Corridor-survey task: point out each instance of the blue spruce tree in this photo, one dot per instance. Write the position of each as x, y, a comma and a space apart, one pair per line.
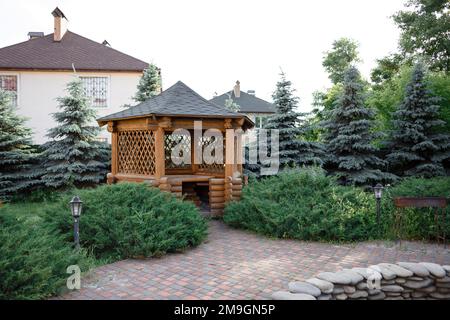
349, 137
16, 154
417, 148
294, 149
73, 157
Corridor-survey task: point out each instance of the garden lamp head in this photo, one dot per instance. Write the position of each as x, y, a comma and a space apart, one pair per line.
378, 190
76, 205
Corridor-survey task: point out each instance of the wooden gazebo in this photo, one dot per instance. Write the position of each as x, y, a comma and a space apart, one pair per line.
142, 145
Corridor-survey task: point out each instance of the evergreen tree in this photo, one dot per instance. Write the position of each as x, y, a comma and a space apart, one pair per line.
231, 105
294, 150
351, 155
149, 84
417, 149
16, 153
73, 157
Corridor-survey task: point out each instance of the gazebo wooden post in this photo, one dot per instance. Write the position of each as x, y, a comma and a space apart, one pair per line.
114, 156
159, 153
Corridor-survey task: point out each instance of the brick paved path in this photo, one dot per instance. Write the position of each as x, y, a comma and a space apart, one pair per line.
235, 264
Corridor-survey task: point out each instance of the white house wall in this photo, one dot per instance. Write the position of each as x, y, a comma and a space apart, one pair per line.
37, 93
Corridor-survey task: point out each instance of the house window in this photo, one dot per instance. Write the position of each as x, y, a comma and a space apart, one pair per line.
9, 83
260, 122
96, 90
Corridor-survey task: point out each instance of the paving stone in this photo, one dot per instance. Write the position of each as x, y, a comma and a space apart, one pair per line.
304, 287
324, 286
285, 295
435, 269
416, 268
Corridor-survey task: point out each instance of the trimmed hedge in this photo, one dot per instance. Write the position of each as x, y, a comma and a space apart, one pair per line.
130, 220
306, 204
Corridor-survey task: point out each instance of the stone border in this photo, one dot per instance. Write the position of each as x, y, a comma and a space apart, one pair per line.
385, 281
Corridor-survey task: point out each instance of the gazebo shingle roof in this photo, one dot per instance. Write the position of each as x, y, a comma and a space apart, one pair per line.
178, 100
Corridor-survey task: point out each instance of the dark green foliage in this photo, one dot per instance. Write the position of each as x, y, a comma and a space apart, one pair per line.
343, 55
425, 31
149, 85
16, 152
306, 205
294, 150
73, 157
130, 220
349, 137
34, 258
386, 68
417, 149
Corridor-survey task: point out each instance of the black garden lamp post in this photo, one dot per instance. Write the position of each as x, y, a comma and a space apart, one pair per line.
76, 205
378, 191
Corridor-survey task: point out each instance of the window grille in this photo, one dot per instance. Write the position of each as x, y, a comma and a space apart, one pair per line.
136, 152
96, 90
9, 83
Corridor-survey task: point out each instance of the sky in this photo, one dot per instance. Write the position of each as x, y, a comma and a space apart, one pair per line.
209, 44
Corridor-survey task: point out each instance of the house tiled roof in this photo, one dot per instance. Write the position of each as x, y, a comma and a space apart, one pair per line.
248, 103
178, 100
45, 54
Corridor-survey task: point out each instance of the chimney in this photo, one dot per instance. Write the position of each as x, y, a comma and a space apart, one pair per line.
34, 35
251, 92
60, 24
237, 89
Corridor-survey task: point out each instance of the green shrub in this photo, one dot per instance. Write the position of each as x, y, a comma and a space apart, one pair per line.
418, 223
130, 220
34, 258
304, 204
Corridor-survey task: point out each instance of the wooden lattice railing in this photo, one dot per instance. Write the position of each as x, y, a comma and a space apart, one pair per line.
213, 167
184, 143
136, 152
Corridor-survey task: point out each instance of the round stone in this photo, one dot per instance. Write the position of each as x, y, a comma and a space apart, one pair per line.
392, 288
416, 268
400, 280
349, 289
354, 276
359, 294
427, 289
338, 290
285, 295
417, 284
303, 287
443, 284
324, 286
443, 280
438, 295
387, 274
324, 297
398, 270
341, 296
335, 277
435, 269
417, 294
362, 286
379, 296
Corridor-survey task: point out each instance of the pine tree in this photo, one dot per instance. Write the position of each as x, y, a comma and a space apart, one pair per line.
16, 153
73, 157
293, 149
351, 155
417, 149
149, 84
231, 105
